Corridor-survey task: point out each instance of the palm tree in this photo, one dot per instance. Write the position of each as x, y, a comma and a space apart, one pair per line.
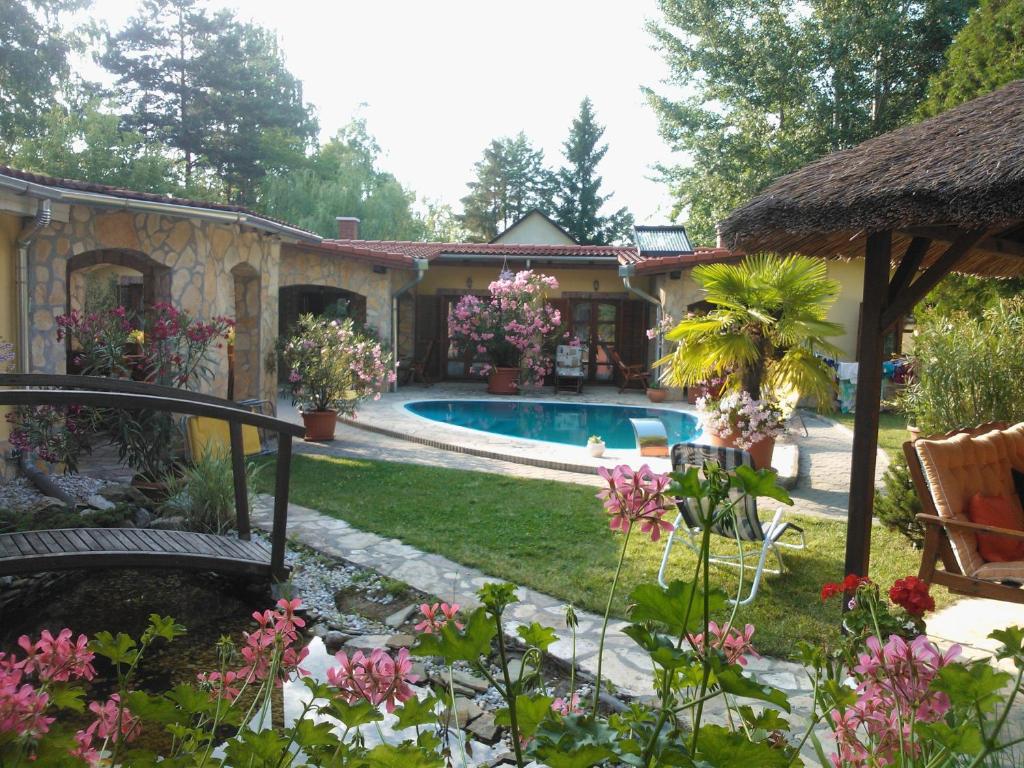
767, 324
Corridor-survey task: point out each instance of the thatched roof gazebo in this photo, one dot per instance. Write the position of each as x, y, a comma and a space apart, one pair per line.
942, 195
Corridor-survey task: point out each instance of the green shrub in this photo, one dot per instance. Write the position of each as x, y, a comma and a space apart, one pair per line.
205, 494
898, 504
970, 369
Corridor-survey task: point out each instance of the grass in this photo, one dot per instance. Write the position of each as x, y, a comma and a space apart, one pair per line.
554, 537
892, 430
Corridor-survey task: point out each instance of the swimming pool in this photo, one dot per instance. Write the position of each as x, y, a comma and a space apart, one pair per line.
566, 423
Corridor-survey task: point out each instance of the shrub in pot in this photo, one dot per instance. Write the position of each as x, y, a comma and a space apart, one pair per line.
510, 330
737, 420
332, 367
595, 446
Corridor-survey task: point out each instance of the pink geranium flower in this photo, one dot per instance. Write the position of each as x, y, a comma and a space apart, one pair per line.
377, 678
636, 497
434, 623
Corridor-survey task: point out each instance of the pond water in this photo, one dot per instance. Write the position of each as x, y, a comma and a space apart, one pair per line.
556, 422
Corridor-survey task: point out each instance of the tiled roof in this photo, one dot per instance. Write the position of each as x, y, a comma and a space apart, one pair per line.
149, 197
653, 266
431, 251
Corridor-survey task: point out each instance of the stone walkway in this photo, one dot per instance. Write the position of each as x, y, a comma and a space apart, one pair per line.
624, 664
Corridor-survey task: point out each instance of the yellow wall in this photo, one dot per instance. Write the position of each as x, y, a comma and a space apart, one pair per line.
453, 278
846, 310
10, 225
534, 229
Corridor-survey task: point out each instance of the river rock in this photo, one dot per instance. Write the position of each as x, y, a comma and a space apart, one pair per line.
472, 682
485, 729
466, 711
396, 642
96, 501
143, 517
170, 523
334, 640
398, 618
366, 643
122, 493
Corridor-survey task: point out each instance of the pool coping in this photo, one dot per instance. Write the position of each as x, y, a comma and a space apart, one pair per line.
389, 417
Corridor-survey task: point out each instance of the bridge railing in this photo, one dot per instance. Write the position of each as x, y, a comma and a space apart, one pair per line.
31, 389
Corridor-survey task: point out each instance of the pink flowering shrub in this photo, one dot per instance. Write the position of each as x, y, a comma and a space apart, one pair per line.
749, 421
57, 434
332, 365
511, 328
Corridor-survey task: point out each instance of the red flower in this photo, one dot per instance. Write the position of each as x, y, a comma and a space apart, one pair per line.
911, 594
849, 584
829, 589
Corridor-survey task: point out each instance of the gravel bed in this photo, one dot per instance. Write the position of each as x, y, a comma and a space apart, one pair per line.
79, 487
19, 494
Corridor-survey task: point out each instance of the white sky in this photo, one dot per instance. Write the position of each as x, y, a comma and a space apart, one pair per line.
437, 80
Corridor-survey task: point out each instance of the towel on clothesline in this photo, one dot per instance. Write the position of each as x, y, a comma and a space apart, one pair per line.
848, 372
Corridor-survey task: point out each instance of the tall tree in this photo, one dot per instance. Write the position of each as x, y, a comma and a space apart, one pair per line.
510, 181
212, 89
34, 49
343, 179
988, 53
773, 84
577, 196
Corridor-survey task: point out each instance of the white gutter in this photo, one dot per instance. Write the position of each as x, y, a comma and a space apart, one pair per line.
421, 270
25, 238
150, 206
627, 272
582, 258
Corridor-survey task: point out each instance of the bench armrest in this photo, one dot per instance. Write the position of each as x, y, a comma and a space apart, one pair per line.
945, 522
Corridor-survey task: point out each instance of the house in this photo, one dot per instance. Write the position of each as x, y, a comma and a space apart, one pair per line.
60, 238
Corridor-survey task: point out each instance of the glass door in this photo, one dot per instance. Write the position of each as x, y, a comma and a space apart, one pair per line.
596, 323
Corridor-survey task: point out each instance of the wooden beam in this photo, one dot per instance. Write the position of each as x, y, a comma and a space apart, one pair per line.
878, 254
1002, 246
906, 299
909, 264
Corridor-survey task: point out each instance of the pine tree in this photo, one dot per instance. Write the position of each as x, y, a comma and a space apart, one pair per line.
577, 194
510, 181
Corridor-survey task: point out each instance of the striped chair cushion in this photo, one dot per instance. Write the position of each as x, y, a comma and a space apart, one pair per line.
686, 455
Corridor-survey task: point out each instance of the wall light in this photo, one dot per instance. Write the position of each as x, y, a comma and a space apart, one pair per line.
597, 285
469, 283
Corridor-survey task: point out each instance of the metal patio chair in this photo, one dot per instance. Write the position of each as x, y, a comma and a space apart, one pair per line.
744, 526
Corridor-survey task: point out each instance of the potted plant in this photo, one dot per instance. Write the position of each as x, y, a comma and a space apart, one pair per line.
657, 394
332, 367
595, 446
508, 329
764, 334
737, 420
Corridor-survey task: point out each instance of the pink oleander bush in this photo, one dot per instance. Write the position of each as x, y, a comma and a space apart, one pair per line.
511, 328
332, 365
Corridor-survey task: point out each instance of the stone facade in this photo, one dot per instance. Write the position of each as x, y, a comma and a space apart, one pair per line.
190, 262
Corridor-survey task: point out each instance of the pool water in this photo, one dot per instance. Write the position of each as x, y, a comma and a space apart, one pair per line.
566, 423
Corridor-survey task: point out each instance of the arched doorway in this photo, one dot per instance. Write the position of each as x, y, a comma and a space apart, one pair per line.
244, 361
320, 301
104, 279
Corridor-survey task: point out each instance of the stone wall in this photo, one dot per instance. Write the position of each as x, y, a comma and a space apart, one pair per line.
192, 258
301, 266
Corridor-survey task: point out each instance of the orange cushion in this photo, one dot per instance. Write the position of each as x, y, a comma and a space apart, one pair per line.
1000, 512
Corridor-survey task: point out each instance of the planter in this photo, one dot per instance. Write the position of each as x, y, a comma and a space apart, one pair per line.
760, 452
319, 425
657, 395
596, 449
503, 381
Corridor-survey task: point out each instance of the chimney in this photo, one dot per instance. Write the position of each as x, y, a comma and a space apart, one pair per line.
348, 228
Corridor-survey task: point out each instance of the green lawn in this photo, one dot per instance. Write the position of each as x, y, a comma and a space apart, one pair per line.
554, 537
892, 430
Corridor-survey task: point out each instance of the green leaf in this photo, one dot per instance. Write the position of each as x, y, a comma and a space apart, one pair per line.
190, 700
661, 648
165, 627
120, 649
536, 635
256, 749
403, 756
497, 596
416, 711
760, 483
530, 713
732, 680
308, 734
968, 685
353, 715
767, 719
64, 696
1012, 639
650, 602
965, 739
581, 757
452, 645
722, 748
687, 484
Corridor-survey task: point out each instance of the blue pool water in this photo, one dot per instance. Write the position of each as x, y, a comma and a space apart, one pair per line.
567, 423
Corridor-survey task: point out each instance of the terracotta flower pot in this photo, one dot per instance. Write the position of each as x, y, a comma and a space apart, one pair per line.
503, 381
760, 452
657, 395
319, 425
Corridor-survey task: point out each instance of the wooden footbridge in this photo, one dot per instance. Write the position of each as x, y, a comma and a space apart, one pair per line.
72, 548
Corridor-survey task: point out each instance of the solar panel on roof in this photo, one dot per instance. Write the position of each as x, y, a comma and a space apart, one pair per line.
663, 240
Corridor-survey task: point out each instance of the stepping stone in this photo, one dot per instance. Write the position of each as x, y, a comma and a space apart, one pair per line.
485, 729
466, 711
399, 617
366, 643
472, 682
400, 641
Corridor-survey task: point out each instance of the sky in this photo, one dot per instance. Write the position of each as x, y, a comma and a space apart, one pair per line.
437, 80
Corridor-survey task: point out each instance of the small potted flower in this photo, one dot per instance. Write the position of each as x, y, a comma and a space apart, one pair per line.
739, 421
595, 446
332, 367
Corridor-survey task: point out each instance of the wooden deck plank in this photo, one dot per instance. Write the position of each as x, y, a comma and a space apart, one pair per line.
132, 548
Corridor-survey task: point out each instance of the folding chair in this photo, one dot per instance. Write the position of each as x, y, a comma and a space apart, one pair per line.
744, 525
568, 369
